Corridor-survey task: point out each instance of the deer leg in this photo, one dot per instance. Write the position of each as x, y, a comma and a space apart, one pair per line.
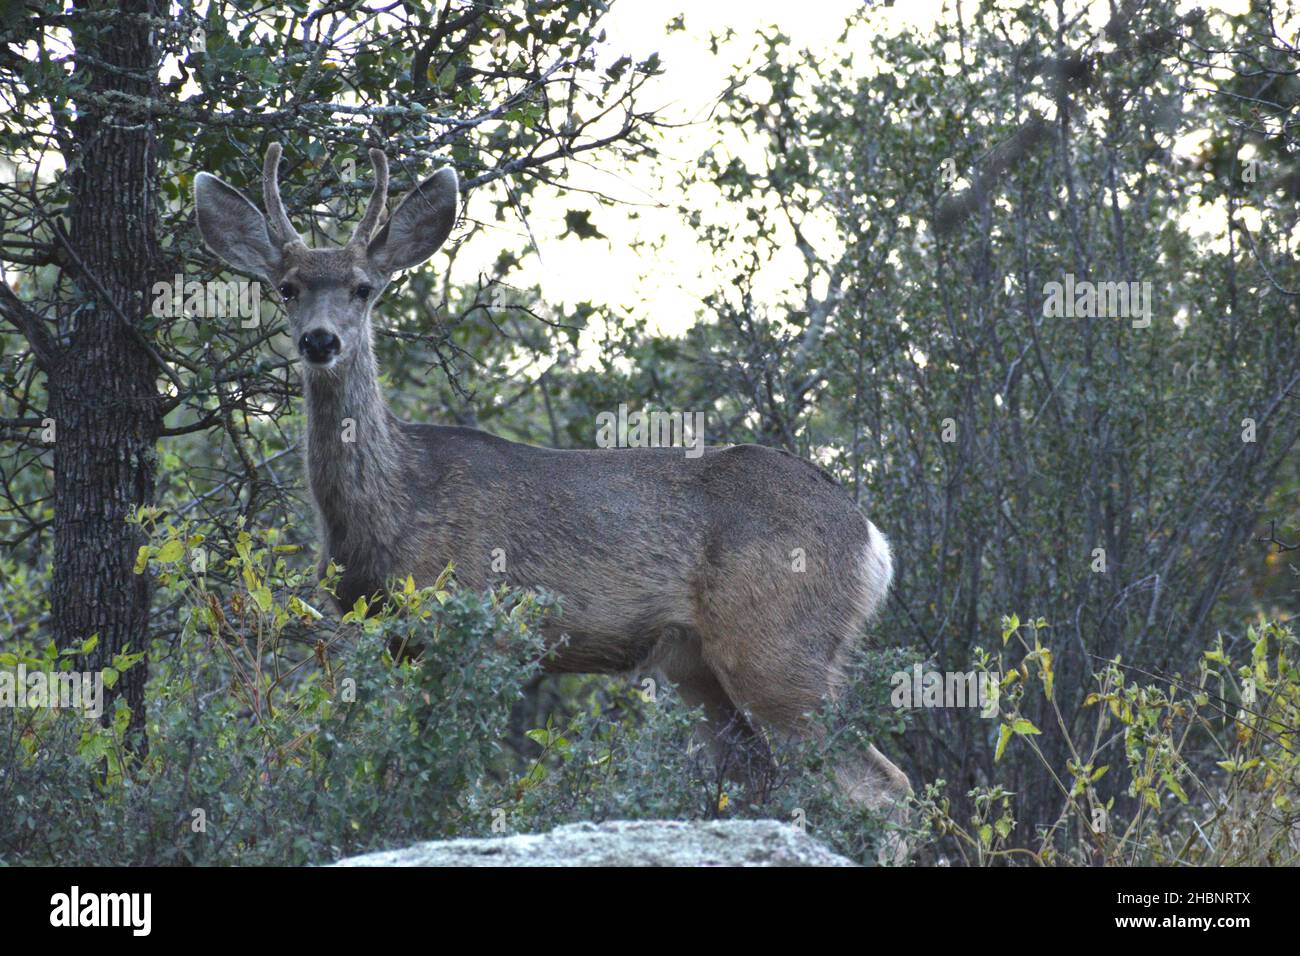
875, 782
739, 750
866, 779
782, 693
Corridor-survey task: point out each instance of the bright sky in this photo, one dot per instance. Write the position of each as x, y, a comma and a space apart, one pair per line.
571, 270
668, 285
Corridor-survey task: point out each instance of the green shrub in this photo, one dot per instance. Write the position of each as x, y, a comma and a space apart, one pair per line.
275, 735
1199, 770
625, 753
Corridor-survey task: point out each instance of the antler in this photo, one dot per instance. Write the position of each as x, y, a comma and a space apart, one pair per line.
379, 196
282, 230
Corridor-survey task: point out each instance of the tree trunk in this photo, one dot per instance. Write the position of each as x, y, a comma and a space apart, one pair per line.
103, 396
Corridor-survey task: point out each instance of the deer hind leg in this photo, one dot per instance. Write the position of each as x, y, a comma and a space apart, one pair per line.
784, 702
781, 681
739, 750
875, 782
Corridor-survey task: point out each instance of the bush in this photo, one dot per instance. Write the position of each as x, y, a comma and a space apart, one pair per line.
275, 735
279, 736
629, 753
1199, 770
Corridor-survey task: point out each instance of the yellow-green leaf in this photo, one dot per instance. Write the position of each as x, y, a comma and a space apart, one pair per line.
1004, 734
1174, 786
1010, 624
172, 551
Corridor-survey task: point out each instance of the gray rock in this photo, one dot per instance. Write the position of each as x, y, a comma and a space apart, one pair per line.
624, 843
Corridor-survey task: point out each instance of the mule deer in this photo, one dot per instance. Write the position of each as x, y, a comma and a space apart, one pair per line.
744, 576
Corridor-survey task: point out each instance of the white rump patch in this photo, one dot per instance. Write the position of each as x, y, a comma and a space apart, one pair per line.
877, 571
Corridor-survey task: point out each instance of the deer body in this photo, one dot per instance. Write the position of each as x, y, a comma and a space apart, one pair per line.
744, 575
638, 542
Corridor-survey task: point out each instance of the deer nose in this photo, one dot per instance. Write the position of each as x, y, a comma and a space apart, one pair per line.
319, 345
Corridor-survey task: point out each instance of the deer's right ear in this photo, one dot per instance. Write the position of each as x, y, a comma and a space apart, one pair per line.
233, 228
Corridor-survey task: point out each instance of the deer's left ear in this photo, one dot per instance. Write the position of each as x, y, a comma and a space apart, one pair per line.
420, 224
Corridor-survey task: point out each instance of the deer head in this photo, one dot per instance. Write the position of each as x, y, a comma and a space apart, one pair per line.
328, 293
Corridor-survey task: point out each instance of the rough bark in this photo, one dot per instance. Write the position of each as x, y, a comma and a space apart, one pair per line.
103, 396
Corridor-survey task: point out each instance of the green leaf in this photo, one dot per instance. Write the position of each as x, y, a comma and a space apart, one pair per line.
1174, 786
171, 551
1004, 734
1010, 624
578, 222
1259, 658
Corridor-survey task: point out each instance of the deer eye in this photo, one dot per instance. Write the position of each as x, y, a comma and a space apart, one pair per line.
362, 291
289, 292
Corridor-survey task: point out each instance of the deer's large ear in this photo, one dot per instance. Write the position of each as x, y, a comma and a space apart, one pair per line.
233, 228
419, 225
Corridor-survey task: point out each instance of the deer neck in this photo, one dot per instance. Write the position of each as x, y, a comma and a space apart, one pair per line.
355, 460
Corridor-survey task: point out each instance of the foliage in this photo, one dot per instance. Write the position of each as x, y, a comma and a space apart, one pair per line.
1201, 771
277, 737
